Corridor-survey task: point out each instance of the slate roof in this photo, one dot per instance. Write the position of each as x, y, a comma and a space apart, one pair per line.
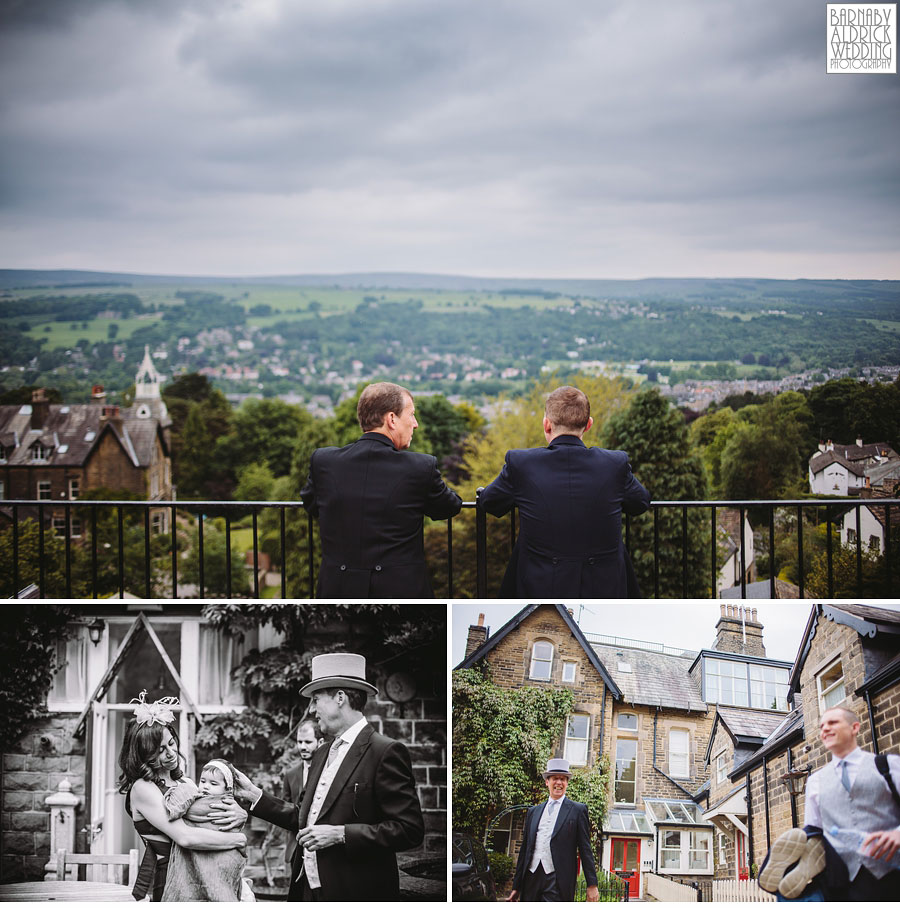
750, 723
790, 727
655, 679
73, 431
820, 460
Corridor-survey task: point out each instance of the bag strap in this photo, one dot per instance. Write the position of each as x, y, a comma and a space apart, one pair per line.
881, 762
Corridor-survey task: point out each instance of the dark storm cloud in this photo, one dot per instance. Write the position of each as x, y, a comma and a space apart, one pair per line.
494, 137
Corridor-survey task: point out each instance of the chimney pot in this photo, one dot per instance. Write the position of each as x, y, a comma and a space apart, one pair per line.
481, 620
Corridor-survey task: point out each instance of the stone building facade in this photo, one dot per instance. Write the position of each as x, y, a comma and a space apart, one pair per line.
645, 705
849, 656
56, 452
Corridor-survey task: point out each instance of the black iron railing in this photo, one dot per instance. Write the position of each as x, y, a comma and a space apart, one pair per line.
82, 548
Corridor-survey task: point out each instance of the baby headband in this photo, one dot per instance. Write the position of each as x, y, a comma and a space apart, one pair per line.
159, 711
224, 769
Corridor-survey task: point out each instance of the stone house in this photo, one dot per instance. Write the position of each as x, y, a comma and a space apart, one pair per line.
648, 706
849, 655
840, 469
120, 648
55, 452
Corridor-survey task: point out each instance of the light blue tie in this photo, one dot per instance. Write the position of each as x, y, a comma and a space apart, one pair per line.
845, 775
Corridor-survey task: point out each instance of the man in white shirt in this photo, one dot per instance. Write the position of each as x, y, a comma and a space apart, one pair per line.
360, 805
851, 793
309, 740
554, 831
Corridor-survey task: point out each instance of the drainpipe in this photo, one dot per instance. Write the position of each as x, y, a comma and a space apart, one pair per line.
748, 797
793, 797
765, 769
666, 777
872, 724
602, 721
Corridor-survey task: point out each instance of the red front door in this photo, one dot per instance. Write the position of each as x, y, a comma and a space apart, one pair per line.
625, 854
740, 848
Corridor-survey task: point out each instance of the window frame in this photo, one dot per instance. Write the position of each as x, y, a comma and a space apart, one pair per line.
44, 494
721, 766
540, 661
625, 782
713, 689
567, 665
686, 849
586, 739
822, 692
686, 753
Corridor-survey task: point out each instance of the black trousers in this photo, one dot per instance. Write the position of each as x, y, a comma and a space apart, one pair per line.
866, 888
540, 886
307, 894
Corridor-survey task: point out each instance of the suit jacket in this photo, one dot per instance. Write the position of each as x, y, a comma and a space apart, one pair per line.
571, 833
374, 797
371, 500
292, 792
570, 499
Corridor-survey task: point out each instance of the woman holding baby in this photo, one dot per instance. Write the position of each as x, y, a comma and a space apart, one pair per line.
189, 855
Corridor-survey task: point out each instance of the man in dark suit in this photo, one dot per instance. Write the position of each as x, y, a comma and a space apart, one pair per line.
371, 497
360, 805
308, 742
554, 831
570, 499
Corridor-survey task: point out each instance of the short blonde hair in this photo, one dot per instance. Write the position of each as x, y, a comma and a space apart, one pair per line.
568, 408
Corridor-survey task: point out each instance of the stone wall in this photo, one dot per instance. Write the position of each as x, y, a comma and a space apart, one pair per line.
886, 707
510, 662
32, 770
779, 802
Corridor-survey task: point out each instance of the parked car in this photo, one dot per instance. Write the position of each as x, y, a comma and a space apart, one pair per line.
472, 877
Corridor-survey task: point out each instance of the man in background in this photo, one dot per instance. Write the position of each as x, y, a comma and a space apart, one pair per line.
309, 739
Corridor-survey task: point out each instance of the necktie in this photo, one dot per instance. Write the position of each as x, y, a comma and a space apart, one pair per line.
845, 775
335, 747
553, 806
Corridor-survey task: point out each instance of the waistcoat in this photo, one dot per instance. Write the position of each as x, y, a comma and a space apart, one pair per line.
868, 807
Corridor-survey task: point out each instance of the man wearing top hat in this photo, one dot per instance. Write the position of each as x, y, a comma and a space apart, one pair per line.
359, 807
554, 831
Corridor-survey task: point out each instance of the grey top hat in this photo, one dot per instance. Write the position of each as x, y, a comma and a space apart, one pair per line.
557, 767
345, 670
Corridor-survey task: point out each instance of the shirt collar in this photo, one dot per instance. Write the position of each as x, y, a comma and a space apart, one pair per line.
352, 733
852, 758
567, 440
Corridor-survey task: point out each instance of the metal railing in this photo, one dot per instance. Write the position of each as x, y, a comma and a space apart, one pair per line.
81, 527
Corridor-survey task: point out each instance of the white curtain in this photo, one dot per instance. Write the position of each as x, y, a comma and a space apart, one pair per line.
219, 654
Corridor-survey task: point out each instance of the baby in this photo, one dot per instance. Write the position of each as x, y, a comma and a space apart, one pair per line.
217, 873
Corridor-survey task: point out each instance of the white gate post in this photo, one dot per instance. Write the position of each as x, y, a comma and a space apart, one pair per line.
62, 804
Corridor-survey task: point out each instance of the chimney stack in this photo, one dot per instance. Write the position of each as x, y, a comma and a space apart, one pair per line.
738, 631
478, 633
40, 408
98, 395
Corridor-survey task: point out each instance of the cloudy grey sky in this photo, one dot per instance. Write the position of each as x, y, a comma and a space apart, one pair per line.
581, 138
687, 623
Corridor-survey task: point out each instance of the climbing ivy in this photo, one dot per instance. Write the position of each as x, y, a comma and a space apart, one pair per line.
502, 740
28, 656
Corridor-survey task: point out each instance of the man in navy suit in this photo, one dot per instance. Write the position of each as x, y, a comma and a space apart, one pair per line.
570, 499
554, 831
371, 497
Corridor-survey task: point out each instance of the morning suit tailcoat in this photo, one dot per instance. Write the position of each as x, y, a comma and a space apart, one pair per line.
292, 793
570, 499
371, 499
373, 796
571, 833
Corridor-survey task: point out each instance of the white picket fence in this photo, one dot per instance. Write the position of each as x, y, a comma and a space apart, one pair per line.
740, 891
665, 890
